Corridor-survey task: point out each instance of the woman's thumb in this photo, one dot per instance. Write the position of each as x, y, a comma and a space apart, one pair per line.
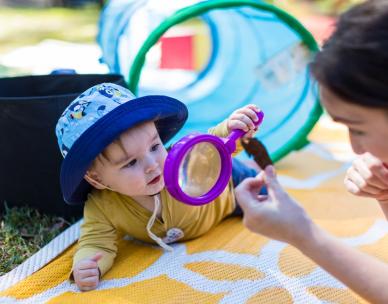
246, 192
97, 257
271, 181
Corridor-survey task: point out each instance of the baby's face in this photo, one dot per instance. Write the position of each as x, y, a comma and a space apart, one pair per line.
133, 164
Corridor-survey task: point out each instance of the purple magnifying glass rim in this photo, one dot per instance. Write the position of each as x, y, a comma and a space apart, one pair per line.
175, 157
224, 146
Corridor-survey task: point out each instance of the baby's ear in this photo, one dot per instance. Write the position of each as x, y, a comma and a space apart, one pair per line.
93, 178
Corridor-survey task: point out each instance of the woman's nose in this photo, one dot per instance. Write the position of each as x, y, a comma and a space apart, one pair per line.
356, 145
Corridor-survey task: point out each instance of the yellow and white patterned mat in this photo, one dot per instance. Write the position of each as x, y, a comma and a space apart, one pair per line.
230, 264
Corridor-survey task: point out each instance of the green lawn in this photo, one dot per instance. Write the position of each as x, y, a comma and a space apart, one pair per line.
28, 26
299, 8
23, 230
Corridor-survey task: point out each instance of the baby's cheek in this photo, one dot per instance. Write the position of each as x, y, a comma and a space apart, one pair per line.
162, 159
163, 154
162, 184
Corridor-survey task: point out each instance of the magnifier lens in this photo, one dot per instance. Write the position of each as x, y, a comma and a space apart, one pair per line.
200, 169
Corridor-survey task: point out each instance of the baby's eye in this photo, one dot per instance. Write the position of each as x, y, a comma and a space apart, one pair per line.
155, 147
131, 163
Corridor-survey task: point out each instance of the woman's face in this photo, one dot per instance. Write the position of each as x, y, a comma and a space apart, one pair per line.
368, 127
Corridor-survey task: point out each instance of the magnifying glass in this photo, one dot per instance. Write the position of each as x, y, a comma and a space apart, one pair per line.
199, 166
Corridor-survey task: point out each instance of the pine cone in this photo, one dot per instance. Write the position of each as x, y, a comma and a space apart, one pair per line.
255, 148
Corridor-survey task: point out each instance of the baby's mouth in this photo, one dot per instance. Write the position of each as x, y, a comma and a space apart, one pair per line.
155, 180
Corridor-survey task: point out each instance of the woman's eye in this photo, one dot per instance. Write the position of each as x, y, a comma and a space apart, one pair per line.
356, 132
155, 147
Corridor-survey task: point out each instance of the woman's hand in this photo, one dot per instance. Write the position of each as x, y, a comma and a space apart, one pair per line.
275, 215
280, 217
368, 177
244, 119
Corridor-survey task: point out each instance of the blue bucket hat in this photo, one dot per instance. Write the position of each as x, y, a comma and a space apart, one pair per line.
98, 116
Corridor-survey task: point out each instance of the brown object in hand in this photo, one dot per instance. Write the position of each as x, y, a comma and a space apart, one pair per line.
255, 148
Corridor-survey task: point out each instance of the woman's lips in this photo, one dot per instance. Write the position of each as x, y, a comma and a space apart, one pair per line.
155, 180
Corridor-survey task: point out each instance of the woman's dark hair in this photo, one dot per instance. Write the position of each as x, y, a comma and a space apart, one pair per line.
353, 63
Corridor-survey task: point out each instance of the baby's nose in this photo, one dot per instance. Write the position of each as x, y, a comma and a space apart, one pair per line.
151, 165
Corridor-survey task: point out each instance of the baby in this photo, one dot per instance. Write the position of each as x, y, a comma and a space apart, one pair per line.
114, 154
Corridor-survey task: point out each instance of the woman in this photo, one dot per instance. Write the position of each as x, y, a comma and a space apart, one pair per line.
352, 70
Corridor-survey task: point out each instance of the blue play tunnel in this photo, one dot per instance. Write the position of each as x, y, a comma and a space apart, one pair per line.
259, 54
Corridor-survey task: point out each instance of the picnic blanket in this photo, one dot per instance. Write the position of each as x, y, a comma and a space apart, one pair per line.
229, 264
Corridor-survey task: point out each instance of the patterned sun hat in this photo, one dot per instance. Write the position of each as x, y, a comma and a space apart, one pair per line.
98, 116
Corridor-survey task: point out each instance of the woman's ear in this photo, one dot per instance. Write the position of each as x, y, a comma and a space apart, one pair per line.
93, 178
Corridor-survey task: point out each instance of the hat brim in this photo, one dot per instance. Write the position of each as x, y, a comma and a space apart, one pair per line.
168, 113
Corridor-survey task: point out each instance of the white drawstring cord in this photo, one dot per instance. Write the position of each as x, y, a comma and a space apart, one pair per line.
151, 222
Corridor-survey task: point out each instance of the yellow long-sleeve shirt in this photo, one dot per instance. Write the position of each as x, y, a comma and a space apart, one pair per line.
109, 215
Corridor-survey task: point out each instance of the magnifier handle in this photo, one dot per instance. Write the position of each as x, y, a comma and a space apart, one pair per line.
238, 133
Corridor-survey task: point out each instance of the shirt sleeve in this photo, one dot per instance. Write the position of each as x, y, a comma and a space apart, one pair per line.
97, 235
221, 130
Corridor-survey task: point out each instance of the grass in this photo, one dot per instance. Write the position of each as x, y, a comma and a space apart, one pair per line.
335, 6
300, 8
23, 232
28, 26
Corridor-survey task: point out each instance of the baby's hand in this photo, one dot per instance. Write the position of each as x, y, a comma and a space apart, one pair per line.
368, 177
243, 119
86, 273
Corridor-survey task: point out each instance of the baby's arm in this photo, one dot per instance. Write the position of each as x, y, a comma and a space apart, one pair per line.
242, 119
86, 272
96, 248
